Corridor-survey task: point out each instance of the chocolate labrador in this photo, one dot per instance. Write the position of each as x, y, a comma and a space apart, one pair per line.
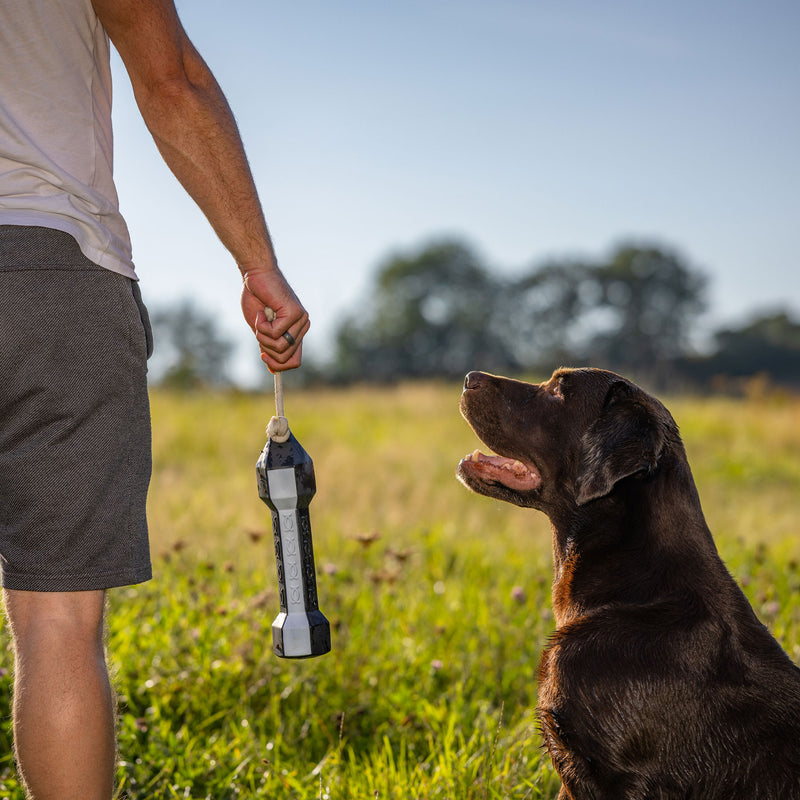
659, 682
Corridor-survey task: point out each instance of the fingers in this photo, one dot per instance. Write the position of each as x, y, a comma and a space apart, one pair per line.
281, 346
279, 333
275, 365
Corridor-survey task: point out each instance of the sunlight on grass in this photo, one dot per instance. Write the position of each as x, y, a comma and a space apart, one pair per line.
439, 600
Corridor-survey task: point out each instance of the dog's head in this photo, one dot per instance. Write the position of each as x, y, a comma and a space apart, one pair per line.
563, 443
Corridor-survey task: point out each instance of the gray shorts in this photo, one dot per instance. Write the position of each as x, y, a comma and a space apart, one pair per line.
74, 418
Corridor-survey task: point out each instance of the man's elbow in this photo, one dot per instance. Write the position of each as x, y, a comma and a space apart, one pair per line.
178, 87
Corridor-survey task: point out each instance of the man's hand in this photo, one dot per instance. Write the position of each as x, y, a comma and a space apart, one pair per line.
268, 288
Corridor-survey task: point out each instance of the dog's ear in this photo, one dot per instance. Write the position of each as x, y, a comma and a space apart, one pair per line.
626, 439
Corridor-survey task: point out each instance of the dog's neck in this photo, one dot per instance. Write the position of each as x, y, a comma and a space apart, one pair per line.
652, 529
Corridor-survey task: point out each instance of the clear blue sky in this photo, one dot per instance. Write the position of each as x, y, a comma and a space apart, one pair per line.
530, 129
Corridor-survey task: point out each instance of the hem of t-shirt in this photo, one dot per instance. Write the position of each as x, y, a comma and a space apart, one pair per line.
103, 258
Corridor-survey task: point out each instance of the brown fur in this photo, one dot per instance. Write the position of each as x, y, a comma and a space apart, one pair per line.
659, 682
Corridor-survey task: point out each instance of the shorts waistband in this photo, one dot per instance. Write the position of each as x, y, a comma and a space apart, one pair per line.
34, 247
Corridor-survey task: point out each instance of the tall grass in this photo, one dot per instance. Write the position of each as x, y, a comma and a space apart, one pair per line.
438, 600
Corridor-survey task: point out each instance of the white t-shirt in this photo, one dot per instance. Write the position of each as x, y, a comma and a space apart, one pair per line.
56, 149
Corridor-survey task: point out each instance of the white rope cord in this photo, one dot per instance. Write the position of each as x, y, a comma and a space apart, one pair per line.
278, 426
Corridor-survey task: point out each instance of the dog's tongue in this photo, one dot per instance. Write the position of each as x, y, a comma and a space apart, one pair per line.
508, 471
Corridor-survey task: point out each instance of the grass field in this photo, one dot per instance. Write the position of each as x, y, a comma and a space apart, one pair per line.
439, 600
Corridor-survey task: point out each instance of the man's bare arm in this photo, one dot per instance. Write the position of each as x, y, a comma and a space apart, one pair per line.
196, 134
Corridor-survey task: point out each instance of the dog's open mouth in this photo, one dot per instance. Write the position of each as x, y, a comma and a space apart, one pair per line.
508, 472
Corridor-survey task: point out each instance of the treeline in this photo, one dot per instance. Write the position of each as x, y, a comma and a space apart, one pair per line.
440, 311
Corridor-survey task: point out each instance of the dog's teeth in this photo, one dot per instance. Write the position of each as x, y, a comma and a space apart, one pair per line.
519, 468
476, 456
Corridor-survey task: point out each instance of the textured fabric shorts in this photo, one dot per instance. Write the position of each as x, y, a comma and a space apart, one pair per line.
75, 453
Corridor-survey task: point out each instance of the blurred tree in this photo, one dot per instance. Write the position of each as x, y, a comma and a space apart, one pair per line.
767, 345
647, 301
631, 313
539, 317
432, 313
439, 312
189, 351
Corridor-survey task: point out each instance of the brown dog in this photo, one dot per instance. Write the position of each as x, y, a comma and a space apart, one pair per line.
659, 682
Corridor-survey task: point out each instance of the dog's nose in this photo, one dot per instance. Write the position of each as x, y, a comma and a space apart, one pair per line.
474, 380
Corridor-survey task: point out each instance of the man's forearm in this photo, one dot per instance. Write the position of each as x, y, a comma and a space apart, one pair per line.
196, 134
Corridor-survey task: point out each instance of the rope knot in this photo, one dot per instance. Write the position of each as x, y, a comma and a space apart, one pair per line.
278, 429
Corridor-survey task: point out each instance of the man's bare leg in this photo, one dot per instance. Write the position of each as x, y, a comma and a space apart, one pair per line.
63, 704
